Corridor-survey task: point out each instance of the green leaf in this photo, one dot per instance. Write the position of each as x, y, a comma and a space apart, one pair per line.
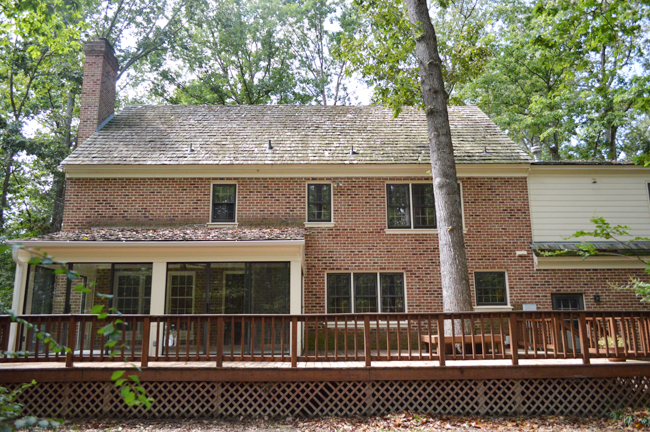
97, 309
119, 382
117, 375
135, 378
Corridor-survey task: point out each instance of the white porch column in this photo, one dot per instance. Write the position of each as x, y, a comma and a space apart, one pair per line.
295, 296
158, 296
21, 257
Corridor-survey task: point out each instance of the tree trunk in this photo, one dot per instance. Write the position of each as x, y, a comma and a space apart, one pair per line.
456, 294
8, 169
611, 141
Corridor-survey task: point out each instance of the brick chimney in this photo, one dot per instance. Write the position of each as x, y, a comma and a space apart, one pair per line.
98, 90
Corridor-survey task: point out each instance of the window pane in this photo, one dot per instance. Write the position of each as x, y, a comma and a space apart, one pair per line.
269, 288
490, 288
338, 293
424, 210
319, 207
392, 292
567, 302
365, 292
398, 206
186, 288
223, 203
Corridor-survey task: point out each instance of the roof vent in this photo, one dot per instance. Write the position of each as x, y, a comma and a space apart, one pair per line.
353, 152
269, 147
485, 152
537, 153
191, 150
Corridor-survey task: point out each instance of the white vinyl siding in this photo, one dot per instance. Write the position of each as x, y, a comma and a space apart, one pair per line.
563, 200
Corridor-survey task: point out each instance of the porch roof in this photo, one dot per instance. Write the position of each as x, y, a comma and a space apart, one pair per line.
186, 233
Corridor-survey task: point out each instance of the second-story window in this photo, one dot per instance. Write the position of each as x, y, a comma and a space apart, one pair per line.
319, 202
224, 198
411, 206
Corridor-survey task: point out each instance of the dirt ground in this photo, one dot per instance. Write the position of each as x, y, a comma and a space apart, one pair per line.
396, 422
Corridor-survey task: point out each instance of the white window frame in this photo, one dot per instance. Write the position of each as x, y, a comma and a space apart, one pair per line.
412, 230
319, 224
170, 274
224, 224
492, 308
353, 289
116, 278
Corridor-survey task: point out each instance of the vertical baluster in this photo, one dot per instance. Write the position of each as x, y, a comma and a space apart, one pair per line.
37, 330
294, 341
584, 344
220, 336
472, 336
208, 342
356, 338
59, 336
419, 337
441, 339
556, 341
262, 334
366, 340
241, 336
388, 357
326, 334
408, 336
597, 323
514, 342
72, 330
336, 338
399, 339
483, 335
453, 337
502, 344
544, 341
282, 345
232, 338
614, 332
316, 323
146, 337
430, 337
345, 340
377, 330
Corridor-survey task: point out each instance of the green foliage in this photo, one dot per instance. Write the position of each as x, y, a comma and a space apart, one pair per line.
620, 235
383, 49
628, 417
131, 390
256, 52
11, 412
571, 77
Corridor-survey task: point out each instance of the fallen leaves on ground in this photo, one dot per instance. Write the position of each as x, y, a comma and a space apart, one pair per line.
628, 420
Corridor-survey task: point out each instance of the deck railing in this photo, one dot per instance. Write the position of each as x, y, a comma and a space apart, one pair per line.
331, 337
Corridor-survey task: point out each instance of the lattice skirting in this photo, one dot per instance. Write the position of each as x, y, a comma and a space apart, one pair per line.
588, 396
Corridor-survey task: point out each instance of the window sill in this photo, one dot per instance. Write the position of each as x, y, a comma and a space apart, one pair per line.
319, 224
411, 231
493, 308
222, 224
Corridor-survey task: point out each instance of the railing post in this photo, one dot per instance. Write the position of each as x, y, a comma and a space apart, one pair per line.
366, 339
514, 339
442, 346
584, 343
220, 335
146, 336
294, 342
72, 333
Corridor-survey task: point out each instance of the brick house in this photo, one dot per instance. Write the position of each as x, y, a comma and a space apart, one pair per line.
309, 209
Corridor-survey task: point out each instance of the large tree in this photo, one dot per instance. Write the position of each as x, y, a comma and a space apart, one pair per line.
456, 294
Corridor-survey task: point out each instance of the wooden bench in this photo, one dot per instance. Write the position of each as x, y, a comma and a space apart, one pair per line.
479, 341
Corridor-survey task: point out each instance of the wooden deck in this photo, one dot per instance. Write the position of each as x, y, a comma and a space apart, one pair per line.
248, 371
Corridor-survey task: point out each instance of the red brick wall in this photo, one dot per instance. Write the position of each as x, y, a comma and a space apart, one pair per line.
497, 223
98, 90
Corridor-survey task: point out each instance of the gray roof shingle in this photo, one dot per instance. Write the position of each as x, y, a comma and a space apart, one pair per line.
239, 135
184, 233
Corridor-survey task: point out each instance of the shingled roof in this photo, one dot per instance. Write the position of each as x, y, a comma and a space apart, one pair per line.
184, 233
239, 135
